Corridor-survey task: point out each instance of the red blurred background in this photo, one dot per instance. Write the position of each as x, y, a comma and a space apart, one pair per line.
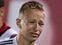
55, 7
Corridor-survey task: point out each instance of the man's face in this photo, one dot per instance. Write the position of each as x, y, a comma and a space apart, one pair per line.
1, 12
32, 24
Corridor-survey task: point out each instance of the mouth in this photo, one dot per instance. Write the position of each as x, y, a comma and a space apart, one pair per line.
34, 34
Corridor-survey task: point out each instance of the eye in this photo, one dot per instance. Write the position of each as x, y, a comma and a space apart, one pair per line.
41, 23
32, 22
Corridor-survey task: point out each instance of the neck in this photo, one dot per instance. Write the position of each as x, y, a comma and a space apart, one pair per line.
23, 41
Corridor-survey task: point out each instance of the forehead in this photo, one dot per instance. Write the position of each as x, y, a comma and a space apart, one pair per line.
34, 14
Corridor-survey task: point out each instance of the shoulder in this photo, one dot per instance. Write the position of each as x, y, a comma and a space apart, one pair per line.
7, 41
12, 33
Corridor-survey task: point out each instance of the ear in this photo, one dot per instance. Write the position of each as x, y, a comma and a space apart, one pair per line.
18, 22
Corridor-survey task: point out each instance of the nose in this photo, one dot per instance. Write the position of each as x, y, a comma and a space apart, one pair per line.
37, 27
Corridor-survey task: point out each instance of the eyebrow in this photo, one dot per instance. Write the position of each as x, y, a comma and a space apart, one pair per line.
32, 20
35, 20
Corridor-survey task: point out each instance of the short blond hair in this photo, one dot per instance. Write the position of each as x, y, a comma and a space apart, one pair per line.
31, 5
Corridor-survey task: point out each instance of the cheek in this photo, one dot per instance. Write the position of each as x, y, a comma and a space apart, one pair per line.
24, 28
41, 29
30, 27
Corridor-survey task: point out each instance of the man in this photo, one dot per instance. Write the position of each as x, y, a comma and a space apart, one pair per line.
7, 34
31, 22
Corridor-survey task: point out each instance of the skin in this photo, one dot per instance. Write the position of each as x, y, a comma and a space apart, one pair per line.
31, 26
1, 16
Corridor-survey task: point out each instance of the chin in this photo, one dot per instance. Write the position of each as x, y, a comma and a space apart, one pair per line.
33, 39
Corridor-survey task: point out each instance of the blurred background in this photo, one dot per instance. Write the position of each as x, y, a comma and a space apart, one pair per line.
52, 34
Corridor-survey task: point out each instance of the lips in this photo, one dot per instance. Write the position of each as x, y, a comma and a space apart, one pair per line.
34, 34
